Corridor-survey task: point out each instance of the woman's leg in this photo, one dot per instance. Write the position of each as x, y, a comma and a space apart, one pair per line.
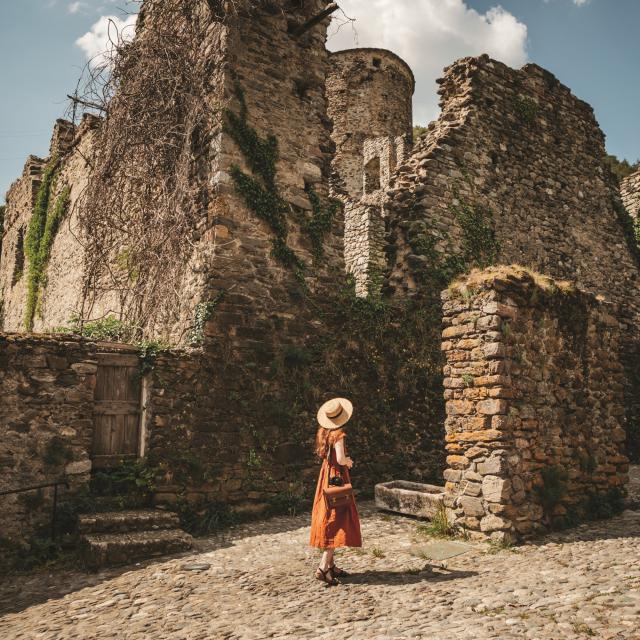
327, 559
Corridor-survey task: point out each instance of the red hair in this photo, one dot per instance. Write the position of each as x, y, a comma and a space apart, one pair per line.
326, 438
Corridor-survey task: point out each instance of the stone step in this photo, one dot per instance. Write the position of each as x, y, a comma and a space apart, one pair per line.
127, 521
118, 503
106, 549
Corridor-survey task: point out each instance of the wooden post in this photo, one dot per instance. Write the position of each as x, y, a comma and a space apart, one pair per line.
309, 24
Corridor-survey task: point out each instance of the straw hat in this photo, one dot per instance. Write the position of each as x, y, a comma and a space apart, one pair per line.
335, 413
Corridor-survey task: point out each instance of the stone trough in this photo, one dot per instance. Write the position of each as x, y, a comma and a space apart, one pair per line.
409, 498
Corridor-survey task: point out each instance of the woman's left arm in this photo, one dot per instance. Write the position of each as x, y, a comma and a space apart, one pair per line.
343, 459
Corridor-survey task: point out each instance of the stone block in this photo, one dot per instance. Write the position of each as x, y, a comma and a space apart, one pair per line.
457, 462
85, 368
460, 407
458, 330
452, 475
494, 350
500, 309
493, 406
495, 489
493, 522
471, 506
74, 468
410, 498
495, 465
473, 489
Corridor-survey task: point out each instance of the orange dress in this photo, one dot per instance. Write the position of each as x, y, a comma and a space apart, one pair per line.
333, 528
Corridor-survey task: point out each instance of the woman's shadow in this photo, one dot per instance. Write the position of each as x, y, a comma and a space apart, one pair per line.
428, 574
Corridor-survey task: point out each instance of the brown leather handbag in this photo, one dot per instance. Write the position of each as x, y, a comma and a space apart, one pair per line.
337, 497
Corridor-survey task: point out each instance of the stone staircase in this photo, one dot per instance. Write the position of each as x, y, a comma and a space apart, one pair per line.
122, 537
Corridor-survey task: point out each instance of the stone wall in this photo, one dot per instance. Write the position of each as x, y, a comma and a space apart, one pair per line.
231, 246
514, 171
46, 424
60, 298
277, 340
535, 414
630, 192
20, 200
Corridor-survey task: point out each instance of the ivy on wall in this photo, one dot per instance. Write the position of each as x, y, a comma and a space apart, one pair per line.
204, 312
260, 191
434, 268
319, 223
262, 195
41, 232
480, 246
527, 109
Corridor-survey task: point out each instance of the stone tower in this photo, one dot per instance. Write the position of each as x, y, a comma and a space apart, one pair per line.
369, 94
630, 193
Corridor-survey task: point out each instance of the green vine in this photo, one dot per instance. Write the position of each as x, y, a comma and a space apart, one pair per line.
262, 195
149, 350
318, 225
43, 226
204, 313
480, 246
107, 329
527, 109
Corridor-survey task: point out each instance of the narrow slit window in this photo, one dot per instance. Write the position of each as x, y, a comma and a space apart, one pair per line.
372, 175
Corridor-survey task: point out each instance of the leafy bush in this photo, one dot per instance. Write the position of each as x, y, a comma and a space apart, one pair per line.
108, 329
134, 478
621, 168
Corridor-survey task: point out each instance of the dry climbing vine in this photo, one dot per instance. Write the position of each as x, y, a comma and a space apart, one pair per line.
148, 188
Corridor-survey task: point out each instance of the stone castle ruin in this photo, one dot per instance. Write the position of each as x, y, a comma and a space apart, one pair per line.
630, 193
316, 237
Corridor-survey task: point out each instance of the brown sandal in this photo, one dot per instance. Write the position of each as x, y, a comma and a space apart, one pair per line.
327, 577
339, 573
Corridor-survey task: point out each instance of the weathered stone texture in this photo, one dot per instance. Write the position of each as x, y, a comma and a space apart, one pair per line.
369, 95
630, 192
46, 424
518, 149
61, 298
534, 390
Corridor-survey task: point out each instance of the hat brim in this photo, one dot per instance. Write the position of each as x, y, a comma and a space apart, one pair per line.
335, 423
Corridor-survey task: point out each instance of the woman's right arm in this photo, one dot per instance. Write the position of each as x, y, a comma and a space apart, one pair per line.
343, 459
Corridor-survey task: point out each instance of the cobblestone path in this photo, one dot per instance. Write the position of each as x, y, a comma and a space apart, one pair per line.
584, 583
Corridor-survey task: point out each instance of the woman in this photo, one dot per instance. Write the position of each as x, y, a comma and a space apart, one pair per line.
333, 528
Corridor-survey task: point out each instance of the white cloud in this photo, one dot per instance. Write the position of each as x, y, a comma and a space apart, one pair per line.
580, 3
99, 41
429, 35
74, 7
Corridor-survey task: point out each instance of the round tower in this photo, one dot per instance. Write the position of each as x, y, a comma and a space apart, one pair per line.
369, 94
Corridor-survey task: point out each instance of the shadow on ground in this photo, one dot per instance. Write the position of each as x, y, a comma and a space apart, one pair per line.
428, 574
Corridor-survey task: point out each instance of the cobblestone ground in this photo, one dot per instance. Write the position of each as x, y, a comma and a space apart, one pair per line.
583, 583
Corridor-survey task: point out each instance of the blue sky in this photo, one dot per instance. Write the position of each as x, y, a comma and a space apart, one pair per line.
592, 46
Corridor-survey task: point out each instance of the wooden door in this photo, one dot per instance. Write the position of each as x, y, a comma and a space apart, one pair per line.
116, 433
